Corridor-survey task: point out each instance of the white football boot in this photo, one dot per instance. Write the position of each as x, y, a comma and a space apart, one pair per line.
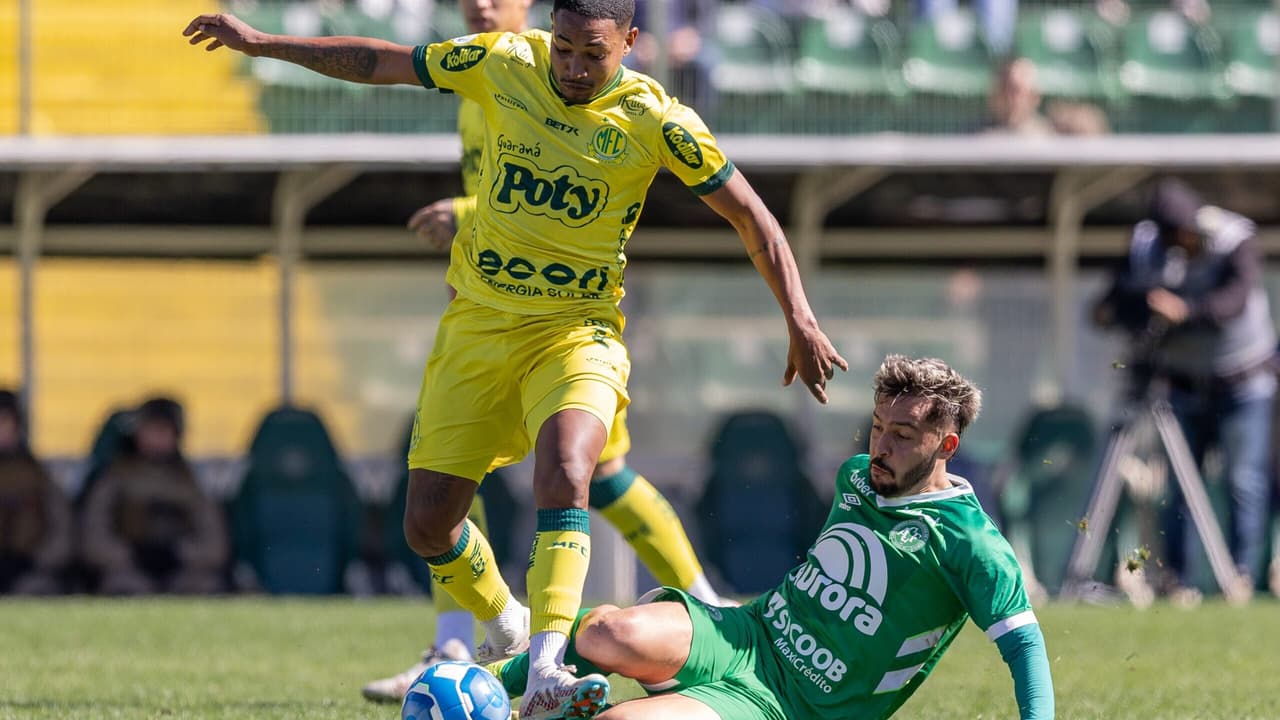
393, 689
555, 694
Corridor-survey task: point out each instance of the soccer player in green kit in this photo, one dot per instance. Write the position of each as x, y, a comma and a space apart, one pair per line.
906, 556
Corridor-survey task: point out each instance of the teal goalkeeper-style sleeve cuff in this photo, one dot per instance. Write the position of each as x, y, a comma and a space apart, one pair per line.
1024, 652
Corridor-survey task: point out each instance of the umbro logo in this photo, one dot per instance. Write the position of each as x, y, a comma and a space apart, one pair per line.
849, 500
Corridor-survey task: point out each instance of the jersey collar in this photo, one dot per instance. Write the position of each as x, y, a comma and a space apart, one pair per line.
959, 486
609, 86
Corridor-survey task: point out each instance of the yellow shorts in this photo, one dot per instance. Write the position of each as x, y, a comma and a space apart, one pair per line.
619, 442
494, 377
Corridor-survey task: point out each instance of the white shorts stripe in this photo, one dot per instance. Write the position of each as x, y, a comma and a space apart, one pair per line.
895, 679
1013, 622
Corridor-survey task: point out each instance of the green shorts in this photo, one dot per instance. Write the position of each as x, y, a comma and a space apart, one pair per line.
726, 670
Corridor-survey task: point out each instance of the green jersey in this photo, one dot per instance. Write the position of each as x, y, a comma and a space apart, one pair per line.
885, 589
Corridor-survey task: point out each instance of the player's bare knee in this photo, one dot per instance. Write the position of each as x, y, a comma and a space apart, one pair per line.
564, 484
608, 638
425, 531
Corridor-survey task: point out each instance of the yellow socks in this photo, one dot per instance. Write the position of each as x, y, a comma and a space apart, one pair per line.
469, 574
648, 522
557, 569
454, 622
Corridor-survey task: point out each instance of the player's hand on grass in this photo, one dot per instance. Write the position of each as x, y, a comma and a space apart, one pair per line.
435, 223
223, 29
813, 359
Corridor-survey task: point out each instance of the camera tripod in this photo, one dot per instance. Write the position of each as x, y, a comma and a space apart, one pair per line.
1105, 497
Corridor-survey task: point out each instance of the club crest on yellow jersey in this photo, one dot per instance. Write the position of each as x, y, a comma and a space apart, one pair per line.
609, 144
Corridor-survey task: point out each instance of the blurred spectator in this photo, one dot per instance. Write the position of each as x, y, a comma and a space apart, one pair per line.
1190, 293
35, 515
685, 43
1013, 106
148, 527
1077, 118
998, 19
1014, 102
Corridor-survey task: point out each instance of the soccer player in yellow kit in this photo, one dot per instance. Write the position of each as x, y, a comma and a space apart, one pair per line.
529, 355
626, 499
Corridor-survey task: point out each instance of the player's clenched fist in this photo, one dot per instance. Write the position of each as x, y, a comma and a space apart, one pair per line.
223, 29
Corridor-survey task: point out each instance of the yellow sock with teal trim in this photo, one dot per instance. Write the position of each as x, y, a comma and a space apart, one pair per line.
469, 574
557, 569
648, 522
454, 622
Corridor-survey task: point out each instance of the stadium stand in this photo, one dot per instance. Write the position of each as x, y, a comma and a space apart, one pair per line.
154, 84
296, 520
757, 481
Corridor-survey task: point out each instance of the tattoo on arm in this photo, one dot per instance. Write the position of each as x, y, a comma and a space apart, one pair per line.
344, 63
767, 244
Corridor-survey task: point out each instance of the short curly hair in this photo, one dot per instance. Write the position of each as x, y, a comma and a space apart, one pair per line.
954, 397
619, 11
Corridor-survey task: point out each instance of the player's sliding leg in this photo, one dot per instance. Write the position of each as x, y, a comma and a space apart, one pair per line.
461, 561
455, 634
569, 440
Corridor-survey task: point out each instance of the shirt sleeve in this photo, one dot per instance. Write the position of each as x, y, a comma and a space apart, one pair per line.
690, 152
1227, 301
1024, 652
456, 65
989, 583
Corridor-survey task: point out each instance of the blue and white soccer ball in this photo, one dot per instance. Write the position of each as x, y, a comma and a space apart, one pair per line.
456, 691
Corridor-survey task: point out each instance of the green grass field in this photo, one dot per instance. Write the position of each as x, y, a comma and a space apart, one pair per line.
263, 658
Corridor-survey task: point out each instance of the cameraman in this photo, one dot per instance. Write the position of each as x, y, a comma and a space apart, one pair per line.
1190, 292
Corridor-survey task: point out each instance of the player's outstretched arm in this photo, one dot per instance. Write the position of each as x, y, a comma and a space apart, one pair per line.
811, 356
355, 59
1024, 652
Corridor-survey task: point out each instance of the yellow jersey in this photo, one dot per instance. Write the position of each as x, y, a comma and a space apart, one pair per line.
561, 185
471, 132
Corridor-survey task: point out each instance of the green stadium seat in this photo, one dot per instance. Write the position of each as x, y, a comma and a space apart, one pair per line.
1165, 56
850, 68
845, 52
948, 57
1252, 51
1073, 51
1055, 459
757, 481
296, 519
753, 78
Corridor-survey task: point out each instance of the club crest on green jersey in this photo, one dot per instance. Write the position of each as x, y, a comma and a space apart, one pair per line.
463, 57
909, 535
